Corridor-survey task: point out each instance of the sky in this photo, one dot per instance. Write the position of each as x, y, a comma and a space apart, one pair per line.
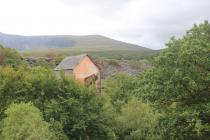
149, 23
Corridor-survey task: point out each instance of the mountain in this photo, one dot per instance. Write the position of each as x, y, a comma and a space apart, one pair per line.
96, 45
34, 42
88, 42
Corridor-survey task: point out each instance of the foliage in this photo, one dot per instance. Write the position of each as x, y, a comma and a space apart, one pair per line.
71, 110
131, 119
169, 101
119, 89
113, 62
13, 87
44, 85
81, 113
44, 63
58, 59
24, 121
99, 54
137, 121
140, 64
9, 56
57, 128
179, 85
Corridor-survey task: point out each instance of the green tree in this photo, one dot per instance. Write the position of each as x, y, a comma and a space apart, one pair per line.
137, 121
45, 86
25, 122
9, 56
81, 112
13, 87
57, 128
119, 89
179, 85
131, 119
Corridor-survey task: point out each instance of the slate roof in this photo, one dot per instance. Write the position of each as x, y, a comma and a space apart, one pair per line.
70, 62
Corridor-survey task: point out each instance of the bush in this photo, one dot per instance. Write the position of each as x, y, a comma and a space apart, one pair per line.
24, 121
9, 56
137, 121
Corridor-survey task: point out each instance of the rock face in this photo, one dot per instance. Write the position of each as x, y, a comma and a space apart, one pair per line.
110, 69
32, 60
107, 68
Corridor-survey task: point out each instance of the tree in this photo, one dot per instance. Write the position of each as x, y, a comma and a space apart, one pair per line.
81, 112
57, 128
13, 87
2, 57
24, 121
131, 119
9, 56
45, 86
120, 89
179, 85
137, 121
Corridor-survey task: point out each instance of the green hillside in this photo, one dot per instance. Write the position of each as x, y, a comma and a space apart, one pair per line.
96, 46
97, 42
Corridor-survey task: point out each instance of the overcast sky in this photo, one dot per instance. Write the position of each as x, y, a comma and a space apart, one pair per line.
149, 23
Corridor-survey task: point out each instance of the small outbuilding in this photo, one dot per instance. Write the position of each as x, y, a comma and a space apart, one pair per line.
82, 68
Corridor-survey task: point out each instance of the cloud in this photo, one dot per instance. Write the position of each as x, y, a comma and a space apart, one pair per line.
149, 23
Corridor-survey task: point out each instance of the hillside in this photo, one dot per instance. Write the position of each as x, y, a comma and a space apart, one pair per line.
95, 45
63, 41
34, 42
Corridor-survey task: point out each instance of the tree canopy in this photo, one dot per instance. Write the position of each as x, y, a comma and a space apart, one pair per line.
9, 56
179, 84
25, 122
170, 101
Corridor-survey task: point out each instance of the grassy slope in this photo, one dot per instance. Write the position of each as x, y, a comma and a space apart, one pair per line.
97, 46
